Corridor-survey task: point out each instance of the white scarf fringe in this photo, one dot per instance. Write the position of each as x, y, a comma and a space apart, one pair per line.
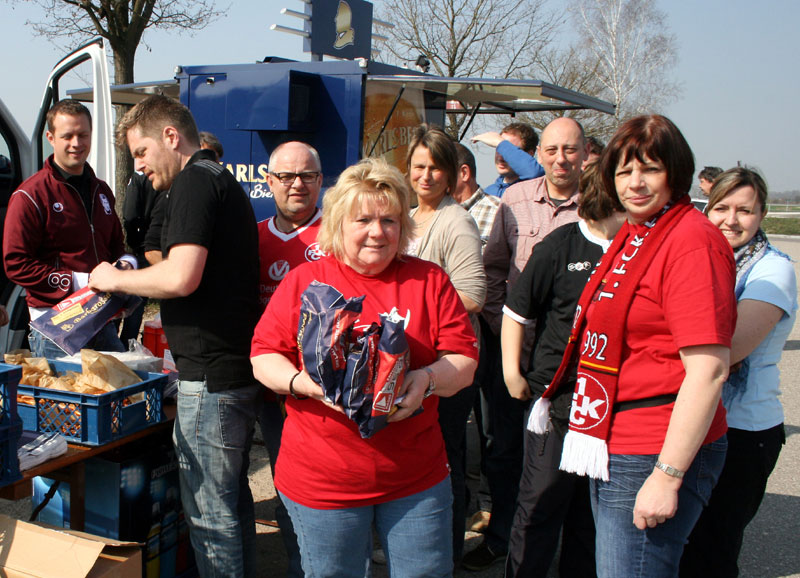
585, 455
539, 419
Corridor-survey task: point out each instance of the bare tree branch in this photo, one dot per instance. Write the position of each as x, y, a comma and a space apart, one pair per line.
468, 38
630, 42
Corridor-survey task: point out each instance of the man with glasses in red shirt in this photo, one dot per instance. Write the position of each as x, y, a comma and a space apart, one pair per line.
285, 241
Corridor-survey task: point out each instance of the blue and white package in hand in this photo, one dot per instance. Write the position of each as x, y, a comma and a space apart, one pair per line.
360, 370
323, 335
74, 321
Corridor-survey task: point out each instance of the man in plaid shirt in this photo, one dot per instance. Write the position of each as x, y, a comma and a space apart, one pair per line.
481, 207
528, 211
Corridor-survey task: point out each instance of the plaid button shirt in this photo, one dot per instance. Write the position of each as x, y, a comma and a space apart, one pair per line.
482, 208
525, 217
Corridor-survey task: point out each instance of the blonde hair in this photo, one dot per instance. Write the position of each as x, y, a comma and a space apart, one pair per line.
372, 180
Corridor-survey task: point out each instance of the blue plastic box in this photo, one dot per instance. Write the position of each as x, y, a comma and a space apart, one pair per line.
93, 419
9, 380
9, 463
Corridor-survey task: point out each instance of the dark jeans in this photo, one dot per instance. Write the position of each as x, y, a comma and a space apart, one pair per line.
550, 503
453, 415
503, 419
270, 419
715, 542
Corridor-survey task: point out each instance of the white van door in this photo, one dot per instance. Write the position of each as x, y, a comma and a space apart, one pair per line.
88, 60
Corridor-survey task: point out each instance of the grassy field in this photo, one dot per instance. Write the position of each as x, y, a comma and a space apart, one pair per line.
778, 226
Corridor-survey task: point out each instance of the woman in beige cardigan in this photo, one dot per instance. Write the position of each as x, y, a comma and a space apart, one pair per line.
447, 235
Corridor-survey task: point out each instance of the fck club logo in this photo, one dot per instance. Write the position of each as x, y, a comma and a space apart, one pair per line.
589, 403
313, 252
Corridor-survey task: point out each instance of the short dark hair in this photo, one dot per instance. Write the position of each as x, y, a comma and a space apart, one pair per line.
596, 146
736, 178
465, 157
656, 138
441, 147
212, 142
594, 203
70, 108
154, 113
526, 134
709, 173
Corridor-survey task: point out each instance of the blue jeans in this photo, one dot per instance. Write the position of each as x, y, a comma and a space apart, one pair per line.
213, 434
270, 418
106, 340
623, 549
415, 533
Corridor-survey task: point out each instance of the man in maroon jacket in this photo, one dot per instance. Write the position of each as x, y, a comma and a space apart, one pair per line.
61, 224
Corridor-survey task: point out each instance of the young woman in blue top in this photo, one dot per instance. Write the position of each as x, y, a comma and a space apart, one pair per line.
766, 293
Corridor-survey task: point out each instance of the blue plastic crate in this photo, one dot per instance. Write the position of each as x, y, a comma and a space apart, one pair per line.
93, 419
9, 463
9, 380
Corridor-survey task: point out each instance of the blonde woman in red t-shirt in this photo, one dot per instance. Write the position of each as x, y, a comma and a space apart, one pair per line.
337, 485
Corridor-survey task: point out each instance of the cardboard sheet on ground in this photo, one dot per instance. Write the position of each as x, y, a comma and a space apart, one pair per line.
32, 550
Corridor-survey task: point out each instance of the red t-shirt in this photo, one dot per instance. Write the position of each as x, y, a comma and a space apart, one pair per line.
280, 252
324, 463
685, 298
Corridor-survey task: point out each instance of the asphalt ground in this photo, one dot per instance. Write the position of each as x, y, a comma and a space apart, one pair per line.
772, 541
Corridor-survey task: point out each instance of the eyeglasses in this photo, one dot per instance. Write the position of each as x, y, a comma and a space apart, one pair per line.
287, 179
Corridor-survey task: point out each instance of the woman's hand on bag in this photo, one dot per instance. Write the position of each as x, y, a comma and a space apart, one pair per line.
414, 387
304, 386
657, 500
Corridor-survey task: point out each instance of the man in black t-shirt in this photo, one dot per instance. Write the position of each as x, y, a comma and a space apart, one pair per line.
208, 283
551, 502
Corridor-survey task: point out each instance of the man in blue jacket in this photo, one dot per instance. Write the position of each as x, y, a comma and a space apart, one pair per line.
514, 155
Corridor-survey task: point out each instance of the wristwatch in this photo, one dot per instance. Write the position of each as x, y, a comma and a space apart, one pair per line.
669, 470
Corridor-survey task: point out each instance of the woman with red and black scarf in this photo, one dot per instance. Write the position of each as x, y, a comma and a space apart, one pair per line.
646, 422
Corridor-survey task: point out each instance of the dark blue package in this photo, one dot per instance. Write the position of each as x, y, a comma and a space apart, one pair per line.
391, 366
324, 335
359, 380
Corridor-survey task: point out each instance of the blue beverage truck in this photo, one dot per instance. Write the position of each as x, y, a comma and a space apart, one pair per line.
346, 109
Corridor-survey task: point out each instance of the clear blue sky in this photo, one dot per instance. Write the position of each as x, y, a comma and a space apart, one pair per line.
738, 66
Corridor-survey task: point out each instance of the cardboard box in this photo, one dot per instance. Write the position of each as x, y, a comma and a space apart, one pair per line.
30, 550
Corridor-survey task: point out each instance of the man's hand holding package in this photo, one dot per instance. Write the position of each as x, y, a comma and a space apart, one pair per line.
104, 278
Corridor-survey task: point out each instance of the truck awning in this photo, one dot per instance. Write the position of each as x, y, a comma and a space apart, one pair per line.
463, 95
498, 96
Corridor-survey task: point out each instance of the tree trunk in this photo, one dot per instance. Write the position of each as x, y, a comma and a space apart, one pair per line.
123, 74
